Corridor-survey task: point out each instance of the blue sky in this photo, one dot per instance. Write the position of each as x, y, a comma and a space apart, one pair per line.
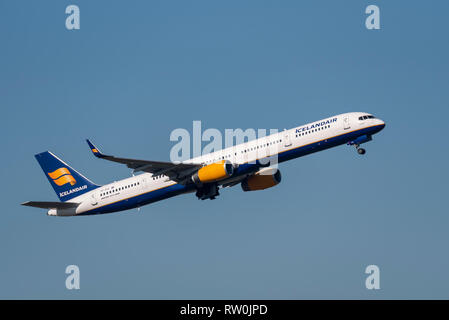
137, 70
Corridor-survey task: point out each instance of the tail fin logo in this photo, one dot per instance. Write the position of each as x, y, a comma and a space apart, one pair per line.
62, 176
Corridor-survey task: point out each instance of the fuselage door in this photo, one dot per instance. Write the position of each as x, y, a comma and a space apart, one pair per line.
346, 123
287, 140
235, 156
144, 182
245, 153
93, 199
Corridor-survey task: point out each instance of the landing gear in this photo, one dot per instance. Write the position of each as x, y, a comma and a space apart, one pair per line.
357, 147
207, 191
358, 141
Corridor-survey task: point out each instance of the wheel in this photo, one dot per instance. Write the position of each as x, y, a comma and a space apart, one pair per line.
199, 193
361, 151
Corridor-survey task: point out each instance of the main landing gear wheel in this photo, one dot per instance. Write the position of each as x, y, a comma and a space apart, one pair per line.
361, 150
207, 191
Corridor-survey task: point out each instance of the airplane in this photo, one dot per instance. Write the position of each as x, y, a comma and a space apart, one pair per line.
245, 164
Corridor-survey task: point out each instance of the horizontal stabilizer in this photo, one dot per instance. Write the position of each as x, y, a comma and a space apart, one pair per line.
50, 204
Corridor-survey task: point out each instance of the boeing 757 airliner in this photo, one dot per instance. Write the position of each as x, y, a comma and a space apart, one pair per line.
249, 164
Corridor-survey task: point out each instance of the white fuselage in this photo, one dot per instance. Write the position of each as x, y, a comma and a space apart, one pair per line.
314, 133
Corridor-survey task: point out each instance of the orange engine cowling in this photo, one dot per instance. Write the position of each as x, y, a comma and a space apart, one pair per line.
263, 179
214, 172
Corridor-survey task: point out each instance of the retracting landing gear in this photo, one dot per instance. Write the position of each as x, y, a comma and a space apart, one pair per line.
207, 191
358, 141
360, 150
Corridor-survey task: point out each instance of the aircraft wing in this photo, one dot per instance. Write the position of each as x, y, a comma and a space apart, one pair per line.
176, 172
50, 204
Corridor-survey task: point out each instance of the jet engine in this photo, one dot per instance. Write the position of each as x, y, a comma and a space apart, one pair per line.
263, 179
214, 172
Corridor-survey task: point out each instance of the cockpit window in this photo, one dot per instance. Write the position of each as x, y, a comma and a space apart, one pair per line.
367, 117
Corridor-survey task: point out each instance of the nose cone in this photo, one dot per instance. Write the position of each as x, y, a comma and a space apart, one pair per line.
380, 125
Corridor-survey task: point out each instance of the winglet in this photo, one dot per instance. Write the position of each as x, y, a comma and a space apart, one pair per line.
94, 149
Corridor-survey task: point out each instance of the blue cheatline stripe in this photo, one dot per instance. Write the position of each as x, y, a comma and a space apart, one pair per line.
142, 199
245, 168
306, 149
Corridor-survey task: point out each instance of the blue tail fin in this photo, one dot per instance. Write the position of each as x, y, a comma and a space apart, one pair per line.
66, 181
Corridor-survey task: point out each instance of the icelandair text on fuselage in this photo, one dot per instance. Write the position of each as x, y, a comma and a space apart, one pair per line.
66, 193
230, 309
316, 125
